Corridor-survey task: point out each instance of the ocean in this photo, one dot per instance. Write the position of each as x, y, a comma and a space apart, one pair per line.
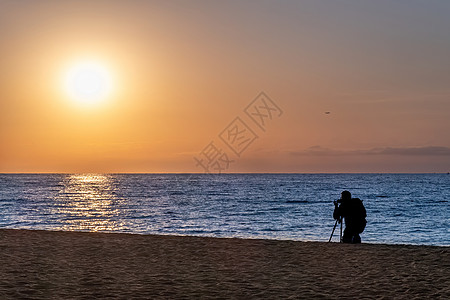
401, 208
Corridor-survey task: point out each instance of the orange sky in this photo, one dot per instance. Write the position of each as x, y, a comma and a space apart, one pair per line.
183, 71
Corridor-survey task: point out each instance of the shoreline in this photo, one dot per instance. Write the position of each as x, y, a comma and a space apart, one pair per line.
42, 264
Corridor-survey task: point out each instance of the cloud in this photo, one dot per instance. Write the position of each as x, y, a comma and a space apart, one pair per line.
410, 151
427, 151
318, 151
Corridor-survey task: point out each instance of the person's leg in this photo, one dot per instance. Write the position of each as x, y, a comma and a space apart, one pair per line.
356, 239
347, 238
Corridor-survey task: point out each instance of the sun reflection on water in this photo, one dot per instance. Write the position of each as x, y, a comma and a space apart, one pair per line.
88, 202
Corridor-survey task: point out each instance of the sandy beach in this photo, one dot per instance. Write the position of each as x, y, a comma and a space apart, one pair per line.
75, 265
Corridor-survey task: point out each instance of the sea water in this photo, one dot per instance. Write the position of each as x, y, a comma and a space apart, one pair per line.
401, 208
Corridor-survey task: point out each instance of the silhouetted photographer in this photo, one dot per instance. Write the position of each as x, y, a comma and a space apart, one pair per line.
354, 213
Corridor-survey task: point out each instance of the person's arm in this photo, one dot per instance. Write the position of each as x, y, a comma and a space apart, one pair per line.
336, 213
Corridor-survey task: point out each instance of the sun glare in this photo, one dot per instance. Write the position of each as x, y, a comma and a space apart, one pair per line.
88, 82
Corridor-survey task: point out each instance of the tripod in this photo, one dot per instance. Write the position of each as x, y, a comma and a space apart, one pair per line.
335, 224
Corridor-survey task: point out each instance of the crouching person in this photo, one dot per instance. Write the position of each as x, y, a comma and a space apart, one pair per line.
353, 212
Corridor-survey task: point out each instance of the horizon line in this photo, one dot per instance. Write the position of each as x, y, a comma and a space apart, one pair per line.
225, 173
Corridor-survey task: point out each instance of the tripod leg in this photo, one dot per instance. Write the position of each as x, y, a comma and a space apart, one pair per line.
333, 230
340, 238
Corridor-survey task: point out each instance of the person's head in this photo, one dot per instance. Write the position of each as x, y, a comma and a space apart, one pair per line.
346, 195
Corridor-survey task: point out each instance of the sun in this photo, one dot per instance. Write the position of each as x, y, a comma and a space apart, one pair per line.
88, 82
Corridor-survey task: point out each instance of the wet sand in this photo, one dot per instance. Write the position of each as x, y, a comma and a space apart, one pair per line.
75, 265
